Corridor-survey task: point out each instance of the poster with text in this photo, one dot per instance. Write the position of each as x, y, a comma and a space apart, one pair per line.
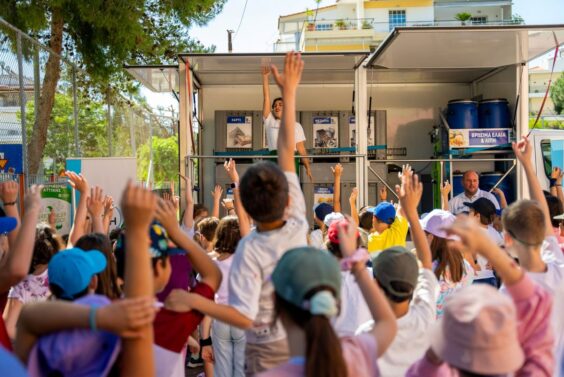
239, 132
325, 132
57, 198
322, 194
482, 138
352, 131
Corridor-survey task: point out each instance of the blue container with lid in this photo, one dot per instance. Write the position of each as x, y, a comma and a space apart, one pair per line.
494, 113
462, 114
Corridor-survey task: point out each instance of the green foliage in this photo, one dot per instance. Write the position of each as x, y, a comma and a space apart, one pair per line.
557, 94
547, 124
165, 160
463, 16
517, 19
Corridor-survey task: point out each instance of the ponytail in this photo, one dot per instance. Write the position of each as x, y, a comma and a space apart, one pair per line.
324, 355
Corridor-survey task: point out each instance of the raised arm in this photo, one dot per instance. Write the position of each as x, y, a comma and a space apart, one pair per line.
385, 324
300, 147
216, 194
188, 218
352, 203
244, 220
288, 83
80, 184
523, 152
9, 195
95, 205
501, 195
108, 213
209, 272
16, 265
337, 172
265, 92
138, 206
410, 194
445, 191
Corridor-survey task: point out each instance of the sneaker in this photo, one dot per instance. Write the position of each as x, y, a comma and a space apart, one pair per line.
195, 362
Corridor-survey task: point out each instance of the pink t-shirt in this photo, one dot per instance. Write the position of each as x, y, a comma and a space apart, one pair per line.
359, 353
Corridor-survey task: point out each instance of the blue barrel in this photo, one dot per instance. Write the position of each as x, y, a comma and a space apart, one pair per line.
457, 187
488, 180
494, 113
462, 114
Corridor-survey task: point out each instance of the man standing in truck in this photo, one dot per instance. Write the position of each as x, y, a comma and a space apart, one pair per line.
471, 193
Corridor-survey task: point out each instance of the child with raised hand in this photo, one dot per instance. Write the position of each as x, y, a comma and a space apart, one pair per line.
272, 197
483, 332
79, 183
411, 292
15, 264
307, 286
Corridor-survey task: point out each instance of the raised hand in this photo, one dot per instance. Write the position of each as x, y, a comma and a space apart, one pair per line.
138, 206
337, 170
32, 198
557, 174
446, 188
231, 170
166, 215
217, 193
347, 237
95, 203
108, 205
354, 195
383, 194
265, 70
293, 67
410, 192
523, 150
78, 182
9, 191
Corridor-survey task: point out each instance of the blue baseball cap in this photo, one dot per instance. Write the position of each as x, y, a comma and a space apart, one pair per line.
72, 269
7, 224
385, 212
322, 209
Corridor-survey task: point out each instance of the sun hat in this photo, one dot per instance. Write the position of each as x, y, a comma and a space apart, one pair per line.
483, 206
396, 265
322, 209
303, 269
80, 352
332, 217
384, 211
436, 221
478, 332
71, 270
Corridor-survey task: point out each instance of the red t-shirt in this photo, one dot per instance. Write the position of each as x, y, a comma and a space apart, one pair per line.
172, 329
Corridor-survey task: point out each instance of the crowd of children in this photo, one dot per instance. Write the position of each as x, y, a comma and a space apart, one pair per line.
257, 293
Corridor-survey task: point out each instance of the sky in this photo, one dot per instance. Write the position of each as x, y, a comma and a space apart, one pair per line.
257, 28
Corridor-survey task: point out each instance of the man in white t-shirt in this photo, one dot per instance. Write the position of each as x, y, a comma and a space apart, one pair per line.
472, 192
272, 116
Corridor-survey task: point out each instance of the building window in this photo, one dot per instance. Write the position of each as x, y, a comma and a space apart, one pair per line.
323, 27
396, 18
479, 20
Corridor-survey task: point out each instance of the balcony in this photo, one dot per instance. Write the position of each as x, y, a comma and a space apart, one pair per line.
352, 34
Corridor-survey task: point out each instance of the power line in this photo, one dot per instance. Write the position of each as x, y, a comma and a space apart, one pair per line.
242, 16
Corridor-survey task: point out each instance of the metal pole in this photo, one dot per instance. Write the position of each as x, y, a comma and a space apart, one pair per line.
503, 176
75, 112
230, 40
384, 182
22, 106
110, 151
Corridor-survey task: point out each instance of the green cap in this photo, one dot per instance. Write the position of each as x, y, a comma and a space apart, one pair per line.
396, 264
302, 269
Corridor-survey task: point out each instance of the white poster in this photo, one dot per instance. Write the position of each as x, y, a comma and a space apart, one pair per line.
352, 131
325, 132
239, 132
57, 198
322, 194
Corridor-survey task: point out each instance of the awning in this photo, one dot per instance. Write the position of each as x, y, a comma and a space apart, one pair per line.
245, 69
470, 50
159, 79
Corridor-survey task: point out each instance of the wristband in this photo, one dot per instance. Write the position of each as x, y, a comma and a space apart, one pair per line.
10, 203
234, 185
359, 256
552, 182
92, 318
206, 342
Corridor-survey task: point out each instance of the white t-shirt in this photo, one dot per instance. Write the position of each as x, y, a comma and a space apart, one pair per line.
33, 288
272, 127
412, 339
456, 204
316, 239
222, 293
250, 288
354, 311
486, 272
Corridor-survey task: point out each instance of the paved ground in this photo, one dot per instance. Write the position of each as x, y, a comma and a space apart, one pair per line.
193, 372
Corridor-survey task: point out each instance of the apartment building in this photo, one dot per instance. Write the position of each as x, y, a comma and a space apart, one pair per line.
361, 25
539, 75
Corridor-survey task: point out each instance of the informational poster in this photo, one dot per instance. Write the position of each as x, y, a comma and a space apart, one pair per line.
477, 138
11, 158
57, 198
239, 132
322, 194
352, 131
325, 132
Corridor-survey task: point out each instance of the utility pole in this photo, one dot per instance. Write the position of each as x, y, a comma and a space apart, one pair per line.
230, 41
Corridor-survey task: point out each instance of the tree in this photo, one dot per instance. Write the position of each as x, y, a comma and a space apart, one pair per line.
557, 94
101, 36
463, 16
165, 151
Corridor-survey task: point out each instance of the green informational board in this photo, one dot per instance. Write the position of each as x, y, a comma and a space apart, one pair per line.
59, 198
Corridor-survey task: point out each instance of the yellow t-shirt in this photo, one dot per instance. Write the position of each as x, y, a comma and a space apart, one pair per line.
395, 235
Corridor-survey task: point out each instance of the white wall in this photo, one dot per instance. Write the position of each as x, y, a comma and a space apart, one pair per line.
449, 13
